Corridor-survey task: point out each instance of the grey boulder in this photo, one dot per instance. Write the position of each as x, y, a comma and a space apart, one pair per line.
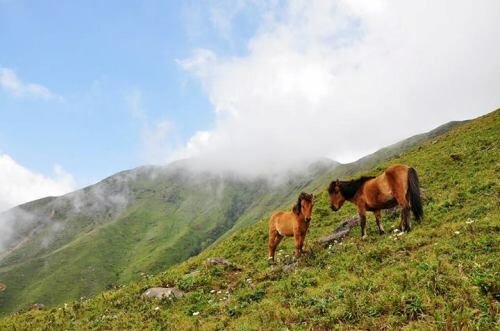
162, 292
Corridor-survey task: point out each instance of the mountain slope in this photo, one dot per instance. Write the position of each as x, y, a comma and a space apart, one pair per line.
137, 221
141, 221
442, 275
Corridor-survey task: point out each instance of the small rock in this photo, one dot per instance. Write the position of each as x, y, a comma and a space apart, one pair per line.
37, 306
162, 292
215, 261
395, 230
196, 313
218, 261
212, 291
157, 308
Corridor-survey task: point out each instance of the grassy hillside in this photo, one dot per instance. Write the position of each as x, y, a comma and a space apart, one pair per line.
134, 222
442, 275
141, 221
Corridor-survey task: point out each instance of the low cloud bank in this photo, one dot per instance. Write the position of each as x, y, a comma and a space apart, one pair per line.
344, 78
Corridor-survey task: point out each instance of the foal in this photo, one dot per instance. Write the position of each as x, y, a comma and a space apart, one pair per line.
293, 223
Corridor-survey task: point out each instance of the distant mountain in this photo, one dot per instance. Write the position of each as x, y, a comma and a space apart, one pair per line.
141, 221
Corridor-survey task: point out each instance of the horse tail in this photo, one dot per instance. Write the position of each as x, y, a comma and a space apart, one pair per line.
414, 194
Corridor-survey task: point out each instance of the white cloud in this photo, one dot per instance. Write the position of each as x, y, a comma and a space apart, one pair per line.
19, 184
10, 82
341, 78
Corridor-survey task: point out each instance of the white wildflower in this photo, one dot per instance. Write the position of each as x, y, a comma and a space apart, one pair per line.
196, 313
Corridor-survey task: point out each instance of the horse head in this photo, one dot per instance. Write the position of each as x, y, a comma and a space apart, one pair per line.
337, 199
304, 205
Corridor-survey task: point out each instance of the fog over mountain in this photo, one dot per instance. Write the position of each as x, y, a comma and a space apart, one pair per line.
342, 79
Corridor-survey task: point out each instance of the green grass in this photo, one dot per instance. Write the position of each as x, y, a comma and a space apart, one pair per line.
442, 275
171, 215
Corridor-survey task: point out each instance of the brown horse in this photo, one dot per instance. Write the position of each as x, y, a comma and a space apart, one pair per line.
398, 185
293, 223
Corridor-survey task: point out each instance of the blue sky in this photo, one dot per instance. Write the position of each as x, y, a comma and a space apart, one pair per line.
94, 55
90, 88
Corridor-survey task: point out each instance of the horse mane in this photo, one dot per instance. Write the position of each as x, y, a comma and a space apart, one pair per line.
302, 196
349, 188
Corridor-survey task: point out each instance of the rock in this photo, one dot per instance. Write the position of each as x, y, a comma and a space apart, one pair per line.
340, 232
162, 292
37, 306
216, 261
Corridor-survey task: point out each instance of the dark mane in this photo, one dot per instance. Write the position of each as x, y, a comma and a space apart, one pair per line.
331, 187
302, 196
348, 188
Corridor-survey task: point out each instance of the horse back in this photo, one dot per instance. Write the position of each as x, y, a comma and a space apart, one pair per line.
381, 191
397, 177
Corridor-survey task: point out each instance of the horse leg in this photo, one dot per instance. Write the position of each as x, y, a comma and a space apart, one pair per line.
406, 219
399, 188
362, 222
405, 211
277, 242
378, 218
299, 243
273, 235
